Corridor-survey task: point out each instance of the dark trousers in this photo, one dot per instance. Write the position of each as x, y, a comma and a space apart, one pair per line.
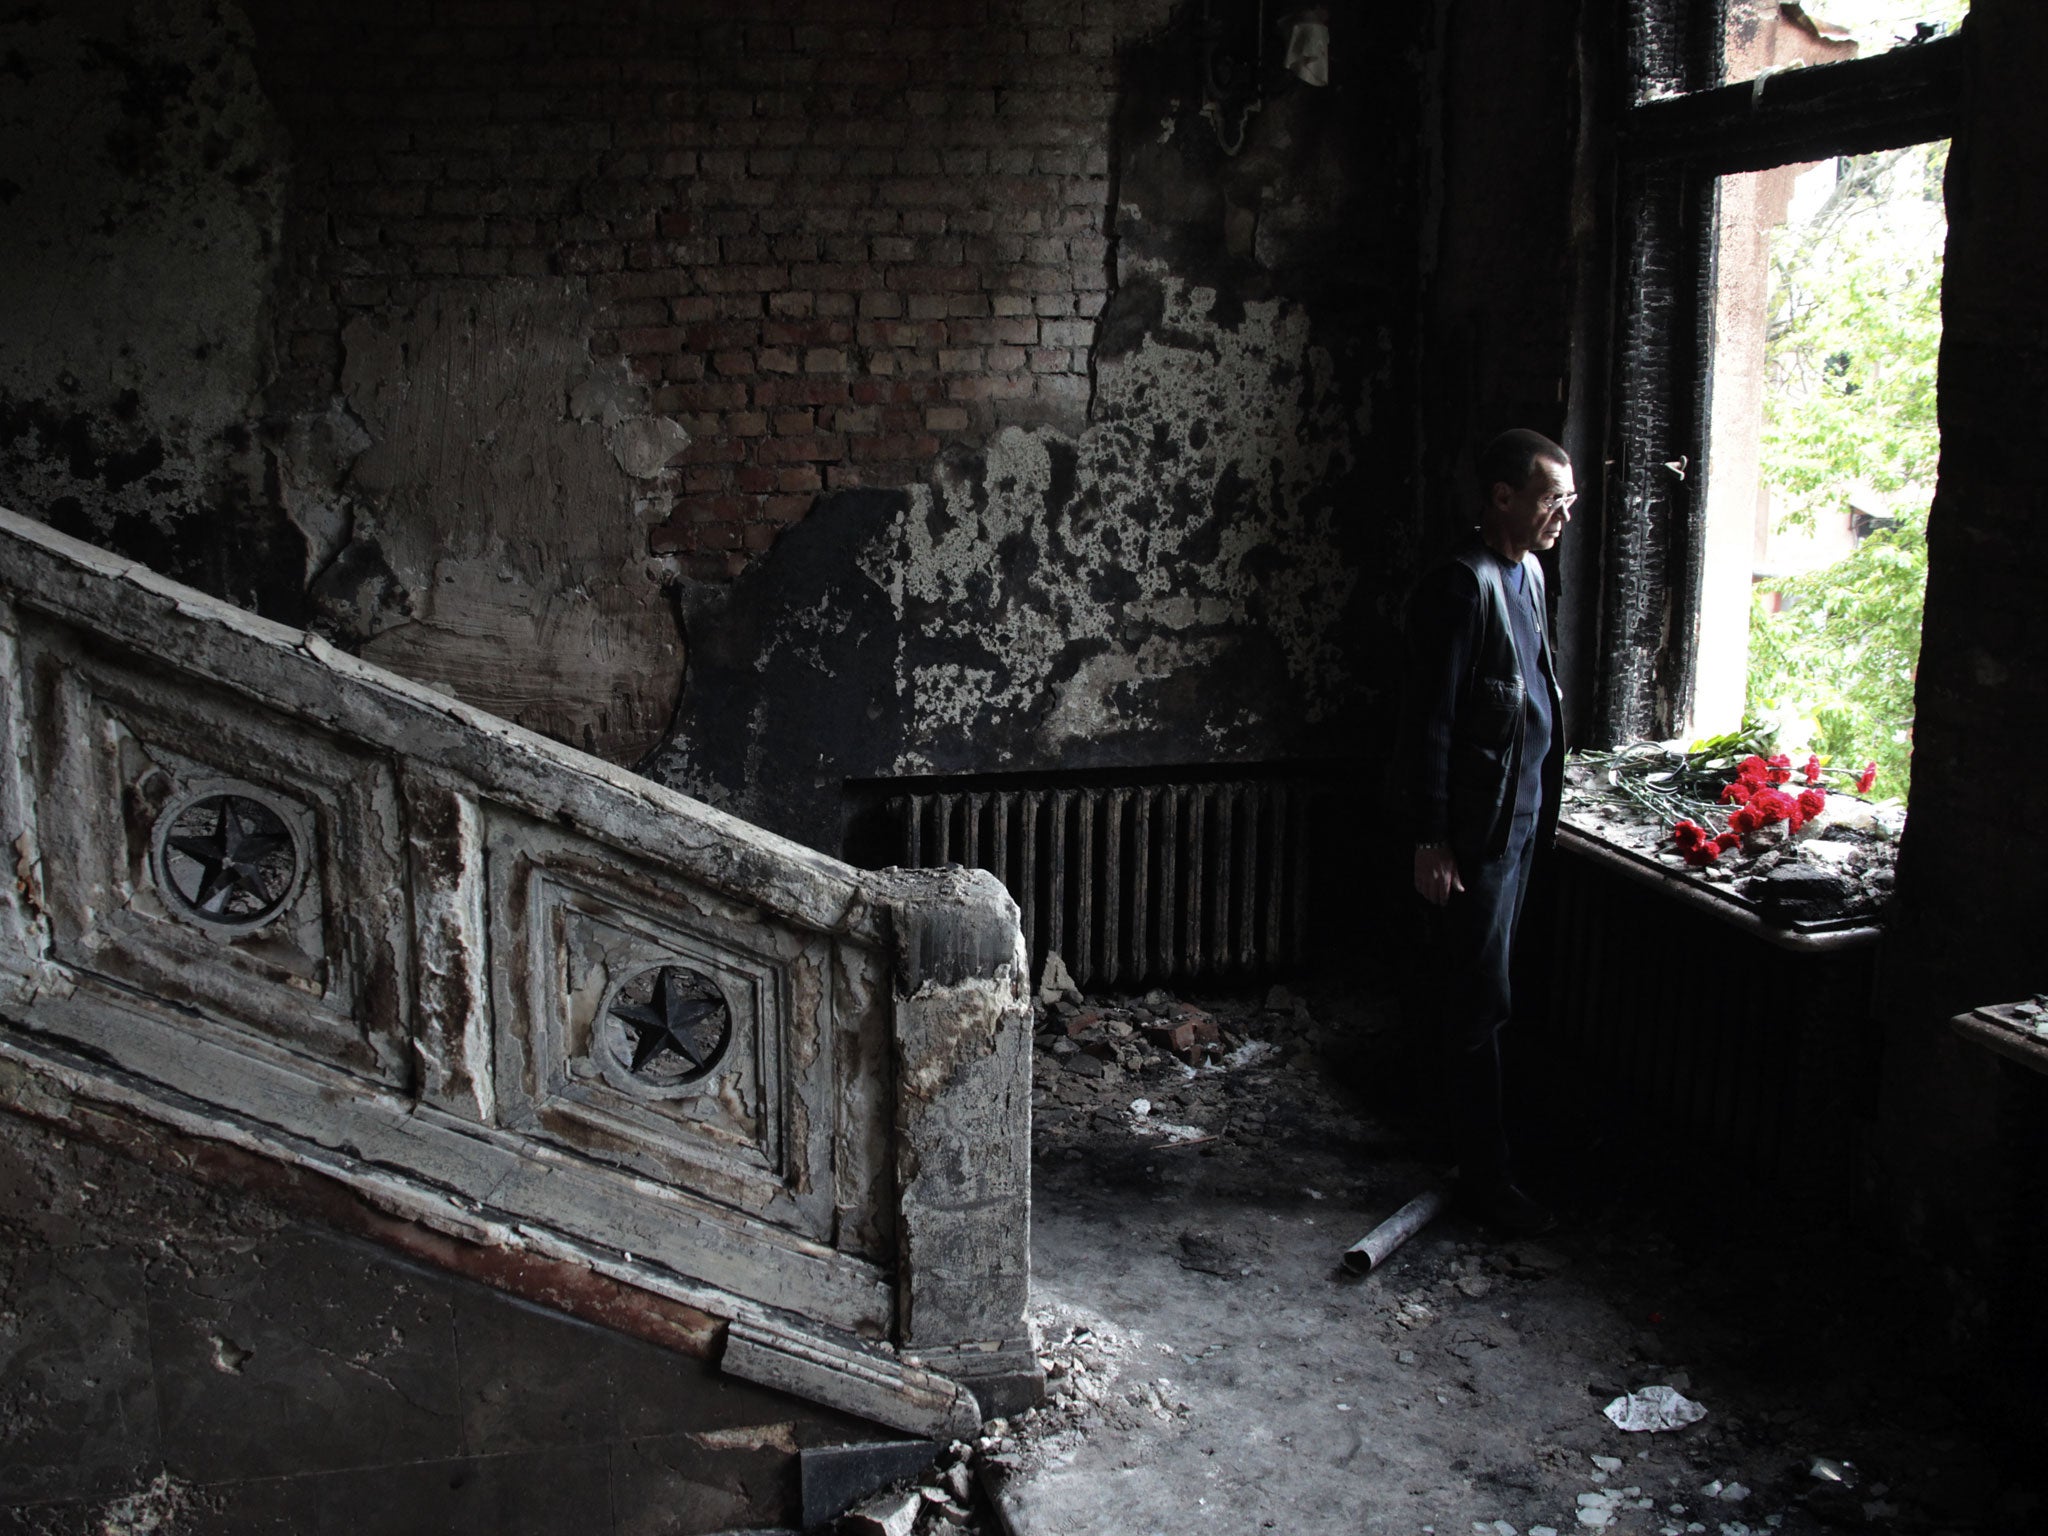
1475, 942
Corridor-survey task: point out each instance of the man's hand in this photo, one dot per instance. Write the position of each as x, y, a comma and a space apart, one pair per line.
1436, 875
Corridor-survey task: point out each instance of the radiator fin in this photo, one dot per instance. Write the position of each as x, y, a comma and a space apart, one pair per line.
1135, 884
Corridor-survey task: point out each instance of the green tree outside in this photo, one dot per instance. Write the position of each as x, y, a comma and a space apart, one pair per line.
1853, 339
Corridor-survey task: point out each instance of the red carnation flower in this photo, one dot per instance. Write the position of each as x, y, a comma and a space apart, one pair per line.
1687, 834
1794, 819
1771, 805
1813, 768
1745, 819
1780, 768
1729, 839
1737, 793
1866, 778
1752, 770
1700, 855
1813, 801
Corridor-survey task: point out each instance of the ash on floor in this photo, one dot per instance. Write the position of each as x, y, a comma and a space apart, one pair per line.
1201, 1166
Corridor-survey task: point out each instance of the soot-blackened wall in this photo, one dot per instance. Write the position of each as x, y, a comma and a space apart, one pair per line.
926, 380
1200, 567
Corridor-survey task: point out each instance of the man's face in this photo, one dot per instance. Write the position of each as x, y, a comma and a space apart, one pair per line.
1534, 516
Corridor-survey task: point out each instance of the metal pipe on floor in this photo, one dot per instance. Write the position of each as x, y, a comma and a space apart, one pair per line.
1378, 1245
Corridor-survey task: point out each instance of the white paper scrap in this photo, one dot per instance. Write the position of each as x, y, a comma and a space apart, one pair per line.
1654, 1410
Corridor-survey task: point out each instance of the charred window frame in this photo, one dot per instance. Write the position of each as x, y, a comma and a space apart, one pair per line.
1678, 131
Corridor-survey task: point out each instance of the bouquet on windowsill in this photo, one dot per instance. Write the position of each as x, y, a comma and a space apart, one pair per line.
1647, 794
1759, 803
1724, 810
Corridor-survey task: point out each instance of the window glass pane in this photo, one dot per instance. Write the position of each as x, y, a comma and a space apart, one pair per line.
1822, 451
1764, 36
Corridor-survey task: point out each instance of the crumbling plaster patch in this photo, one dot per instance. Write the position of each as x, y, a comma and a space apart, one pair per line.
1174, 584
1189, 512
496, 486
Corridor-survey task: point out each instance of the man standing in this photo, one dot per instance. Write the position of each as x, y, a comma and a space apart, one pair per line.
1482, 760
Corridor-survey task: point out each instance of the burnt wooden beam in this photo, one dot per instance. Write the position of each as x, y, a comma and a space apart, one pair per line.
1858, 106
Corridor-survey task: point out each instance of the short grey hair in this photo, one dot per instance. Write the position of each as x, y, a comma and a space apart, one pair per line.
1511, 458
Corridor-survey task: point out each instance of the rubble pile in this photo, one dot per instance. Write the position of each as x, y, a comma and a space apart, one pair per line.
1177, 1074
945, 1501
1084, 1357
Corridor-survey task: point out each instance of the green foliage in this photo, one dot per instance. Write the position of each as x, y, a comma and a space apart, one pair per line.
1844, 650
1854, 333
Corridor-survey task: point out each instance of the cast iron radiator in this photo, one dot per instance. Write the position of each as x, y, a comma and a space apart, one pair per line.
1132, 883
1723, 1048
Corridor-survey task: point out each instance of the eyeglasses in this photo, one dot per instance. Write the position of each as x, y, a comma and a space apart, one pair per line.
1559, 501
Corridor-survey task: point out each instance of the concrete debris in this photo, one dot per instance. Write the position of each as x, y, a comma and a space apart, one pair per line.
1601, 1507
1083, 1356
887, 1514
1055, 985
1210, 1074
945, 1499
228, 1356
1411, 1311
1251, 1053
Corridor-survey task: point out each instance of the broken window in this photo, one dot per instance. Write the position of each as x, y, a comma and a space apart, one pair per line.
1731, 101
1822, 444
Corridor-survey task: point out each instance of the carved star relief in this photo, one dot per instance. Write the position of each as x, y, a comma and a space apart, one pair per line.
670, 1020
232, 857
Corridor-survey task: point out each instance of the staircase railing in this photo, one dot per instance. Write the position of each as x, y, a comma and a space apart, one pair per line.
271, 894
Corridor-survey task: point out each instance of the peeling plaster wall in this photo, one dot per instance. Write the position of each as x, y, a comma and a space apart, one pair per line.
1205, 575
464, 489
141, 207
1208, 570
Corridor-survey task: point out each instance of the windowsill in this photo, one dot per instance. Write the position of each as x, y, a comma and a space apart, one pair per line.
2004, 1029
1801, 937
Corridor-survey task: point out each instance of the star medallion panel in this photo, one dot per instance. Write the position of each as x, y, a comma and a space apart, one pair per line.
236, 863
651, 1024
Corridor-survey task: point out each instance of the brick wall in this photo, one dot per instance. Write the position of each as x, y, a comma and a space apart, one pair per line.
828, 241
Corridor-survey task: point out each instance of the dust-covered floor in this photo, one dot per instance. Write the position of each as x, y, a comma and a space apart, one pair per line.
1215, 1369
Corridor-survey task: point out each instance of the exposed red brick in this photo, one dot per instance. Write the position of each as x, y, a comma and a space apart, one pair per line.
841, 230
817, 447
866, 449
